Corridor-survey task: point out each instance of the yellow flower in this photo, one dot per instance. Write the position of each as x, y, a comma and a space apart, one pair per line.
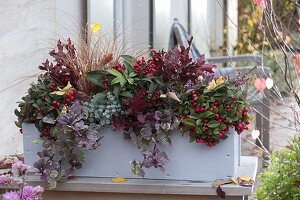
95, 27
219, 81
65, 90
212, 85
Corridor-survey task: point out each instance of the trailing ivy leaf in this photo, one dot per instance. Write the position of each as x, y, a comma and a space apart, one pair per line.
213, 124
94, 77
189, 122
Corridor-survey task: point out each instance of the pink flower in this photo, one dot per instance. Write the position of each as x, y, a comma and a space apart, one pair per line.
5, 179
13, 195
19, 167
261, 3
38, 189
28, 193
260, 84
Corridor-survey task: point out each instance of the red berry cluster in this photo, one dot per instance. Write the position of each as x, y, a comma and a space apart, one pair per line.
69, 97
241, 126
152, 97
120, 68
45, 131
150, 67
139, 65
216, 107
141, 68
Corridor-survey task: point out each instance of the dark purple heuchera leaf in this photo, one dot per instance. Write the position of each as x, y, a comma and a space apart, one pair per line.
48, 120
59, 70
137, 103
177, 66
154, 158
147, 131
75, 163
136, 168
89, 140
75, 118
164, 116
45, 165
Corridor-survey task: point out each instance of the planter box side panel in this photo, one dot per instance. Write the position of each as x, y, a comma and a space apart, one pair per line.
187, 161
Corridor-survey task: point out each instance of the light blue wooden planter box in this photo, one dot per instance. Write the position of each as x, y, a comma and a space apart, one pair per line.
188, 161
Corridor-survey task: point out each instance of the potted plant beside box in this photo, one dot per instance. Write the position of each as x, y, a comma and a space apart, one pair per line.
120, 115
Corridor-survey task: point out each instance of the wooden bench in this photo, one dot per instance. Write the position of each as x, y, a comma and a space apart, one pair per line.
82, 188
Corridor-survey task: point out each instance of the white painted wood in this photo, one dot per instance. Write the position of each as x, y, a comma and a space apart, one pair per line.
164, 13
102, 11
247, 168
232, 23
135, 24
207, 25
188, 161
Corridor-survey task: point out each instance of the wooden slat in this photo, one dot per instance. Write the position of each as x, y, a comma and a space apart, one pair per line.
143, 186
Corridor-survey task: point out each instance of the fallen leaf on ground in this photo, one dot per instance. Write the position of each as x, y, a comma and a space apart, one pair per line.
119, 179
220, 192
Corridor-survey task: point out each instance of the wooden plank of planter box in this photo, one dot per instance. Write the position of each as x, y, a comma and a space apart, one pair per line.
103, 188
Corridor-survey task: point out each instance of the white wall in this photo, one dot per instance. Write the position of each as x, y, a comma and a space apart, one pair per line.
29, 28
207, 24
128, 20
